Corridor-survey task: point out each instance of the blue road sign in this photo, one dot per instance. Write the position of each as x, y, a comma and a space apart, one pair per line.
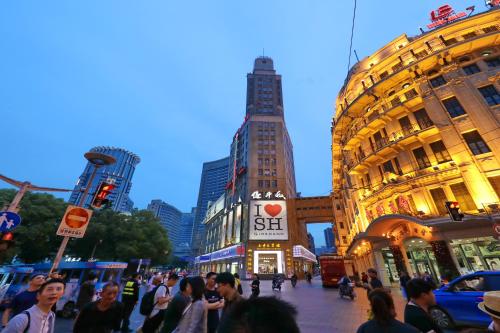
9, 221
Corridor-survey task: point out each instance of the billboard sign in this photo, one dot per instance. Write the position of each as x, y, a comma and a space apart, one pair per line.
268, 220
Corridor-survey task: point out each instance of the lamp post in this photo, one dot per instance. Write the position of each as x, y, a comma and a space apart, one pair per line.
97, 160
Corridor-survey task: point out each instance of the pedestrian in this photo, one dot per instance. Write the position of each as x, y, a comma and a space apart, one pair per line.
384, 315
25, 299
403, 280
87, 291
255, 285
417, 309
364, 280
103, 315
130, 296
238, 283
260, 315
194, 318
160, 302
308, 277
39, 318
374, 283
428, 278
176, 307
225, 287
491, 306
215, 302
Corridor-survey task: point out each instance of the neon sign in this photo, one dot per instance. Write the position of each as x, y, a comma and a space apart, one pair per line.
443, 15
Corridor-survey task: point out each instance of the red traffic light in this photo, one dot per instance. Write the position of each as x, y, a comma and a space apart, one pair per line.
8, 236
101, 194
454, 204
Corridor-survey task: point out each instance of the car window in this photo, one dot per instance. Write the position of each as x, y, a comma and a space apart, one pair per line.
473, 283
493, 282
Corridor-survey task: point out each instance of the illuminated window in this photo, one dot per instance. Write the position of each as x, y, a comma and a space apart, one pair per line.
490, 94
463, 196
440, 152
476, 143
388, 167
453, 107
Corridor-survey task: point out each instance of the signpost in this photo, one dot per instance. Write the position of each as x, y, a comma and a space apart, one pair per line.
74, 222
9, 221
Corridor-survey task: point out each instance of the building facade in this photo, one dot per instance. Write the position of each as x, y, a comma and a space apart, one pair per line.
311, 246
120, 174
183, 248
170, 218
248, 230
329, 240
214, 176
417, 125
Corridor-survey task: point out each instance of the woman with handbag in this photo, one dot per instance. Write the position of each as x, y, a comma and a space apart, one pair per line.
194, 318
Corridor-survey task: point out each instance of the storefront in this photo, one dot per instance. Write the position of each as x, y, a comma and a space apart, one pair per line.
476, 254
229, 259
303, 260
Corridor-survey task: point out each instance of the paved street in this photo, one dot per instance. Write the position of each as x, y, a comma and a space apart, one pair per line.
319, 310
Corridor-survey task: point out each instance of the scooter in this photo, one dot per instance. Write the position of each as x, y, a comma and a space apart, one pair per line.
347, 290
293, 280
277, 283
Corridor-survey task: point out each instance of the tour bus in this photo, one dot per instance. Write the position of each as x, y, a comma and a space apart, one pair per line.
15, 278
332, 269
75, 273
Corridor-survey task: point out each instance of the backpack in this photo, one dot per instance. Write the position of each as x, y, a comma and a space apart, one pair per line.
29, 321
148, 301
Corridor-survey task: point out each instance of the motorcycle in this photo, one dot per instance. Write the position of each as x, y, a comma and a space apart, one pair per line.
347, 290
293, 280
277, 283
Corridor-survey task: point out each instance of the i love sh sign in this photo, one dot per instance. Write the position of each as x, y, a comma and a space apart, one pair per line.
268, 220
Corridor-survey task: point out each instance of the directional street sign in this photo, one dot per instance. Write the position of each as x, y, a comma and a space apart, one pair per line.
9, 221
75, 222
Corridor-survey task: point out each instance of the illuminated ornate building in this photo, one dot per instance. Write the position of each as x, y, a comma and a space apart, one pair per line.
416, 125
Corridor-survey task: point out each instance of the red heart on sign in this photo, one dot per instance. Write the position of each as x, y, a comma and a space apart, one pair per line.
273, 210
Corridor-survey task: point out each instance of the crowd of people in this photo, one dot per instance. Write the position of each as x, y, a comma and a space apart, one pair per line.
202, 305
420, 298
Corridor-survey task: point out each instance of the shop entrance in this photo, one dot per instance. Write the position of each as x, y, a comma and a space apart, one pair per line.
421, 257
477, 254
268, 262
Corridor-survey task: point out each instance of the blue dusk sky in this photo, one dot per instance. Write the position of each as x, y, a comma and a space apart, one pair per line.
167, 81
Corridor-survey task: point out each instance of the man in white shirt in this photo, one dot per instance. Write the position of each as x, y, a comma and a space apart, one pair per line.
161, 300
39, 318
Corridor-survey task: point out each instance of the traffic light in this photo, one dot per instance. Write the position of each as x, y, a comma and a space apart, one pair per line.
100, 197
6, 241
7, 236
454, 210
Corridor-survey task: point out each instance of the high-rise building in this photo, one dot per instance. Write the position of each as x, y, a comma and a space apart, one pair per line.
329, 240
417, 128
213, 181
251, 233
120, 174
310, 242
170, 218
183, 248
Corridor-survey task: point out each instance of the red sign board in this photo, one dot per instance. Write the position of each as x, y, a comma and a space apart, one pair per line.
444, 14
74, 222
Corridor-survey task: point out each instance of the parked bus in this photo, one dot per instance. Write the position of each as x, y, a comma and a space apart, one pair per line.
15, 278
332, 269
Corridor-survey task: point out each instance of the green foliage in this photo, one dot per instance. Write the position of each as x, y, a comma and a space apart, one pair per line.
123, 236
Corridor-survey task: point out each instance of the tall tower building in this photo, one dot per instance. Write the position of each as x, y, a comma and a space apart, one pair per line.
119, 173
329, 241
183, 248
213, 181
170, 218
261, 151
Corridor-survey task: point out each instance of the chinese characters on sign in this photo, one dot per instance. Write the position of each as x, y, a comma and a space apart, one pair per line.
268, 220
444, 14
268, 195
74, 222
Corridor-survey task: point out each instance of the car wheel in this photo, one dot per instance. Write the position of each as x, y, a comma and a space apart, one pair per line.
441, 317
68, 310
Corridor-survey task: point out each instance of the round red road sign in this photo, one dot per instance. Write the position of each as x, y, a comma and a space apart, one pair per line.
77, 218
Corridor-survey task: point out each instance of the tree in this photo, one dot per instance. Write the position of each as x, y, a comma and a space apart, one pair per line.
124, 237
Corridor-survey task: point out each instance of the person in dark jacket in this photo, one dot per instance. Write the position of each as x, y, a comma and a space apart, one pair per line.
384, 316
417, 310
103, 315
175, 308
255, 286
87, 291
130, 296
403, 280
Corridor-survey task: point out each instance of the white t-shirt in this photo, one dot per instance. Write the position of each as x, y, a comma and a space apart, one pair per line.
162, 291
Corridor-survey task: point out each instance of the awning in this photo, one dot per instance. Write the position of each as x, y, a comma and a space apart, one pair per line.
301, 252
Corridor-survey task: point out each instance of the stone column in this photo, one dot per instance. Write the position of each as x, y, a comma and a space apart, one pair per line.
398, 258
444, 259
409, 268
380, 267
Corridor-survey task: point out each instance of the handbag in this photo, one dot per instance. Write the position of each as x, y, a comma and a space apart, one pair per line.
177, 329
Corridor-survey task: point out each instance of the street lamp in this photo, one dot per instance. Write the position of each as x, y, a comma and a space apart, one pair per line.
97, 160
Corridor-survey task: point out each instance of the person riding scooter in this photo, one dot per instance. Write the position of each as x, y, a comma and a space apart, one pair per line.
346, 287
277, 282
293, 279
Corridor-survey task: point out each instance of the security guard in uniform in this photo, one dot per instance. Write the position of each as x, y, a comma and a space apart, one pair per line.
130, 296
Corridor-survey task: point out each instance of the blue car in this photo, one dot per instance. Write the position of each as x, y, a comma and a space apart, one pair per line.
457, 301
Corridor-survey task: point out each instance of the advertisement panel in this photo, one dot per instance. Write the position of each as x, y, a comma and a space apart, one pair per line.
268, 220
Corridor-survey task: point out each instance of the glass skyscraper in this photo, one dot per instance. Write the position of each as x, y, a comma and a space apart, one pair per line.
170, 218
119, 173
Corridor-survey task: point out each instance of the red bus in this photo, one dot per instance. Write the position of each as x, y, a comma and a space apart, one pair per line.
332, 269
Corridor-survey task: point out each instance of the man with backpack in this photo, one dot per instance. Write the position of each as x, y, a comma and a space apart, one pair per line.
130, 296
38, 318
155, 302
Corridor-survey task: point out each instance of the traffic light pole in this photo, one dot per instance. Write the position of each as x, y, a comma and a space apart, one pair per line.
65, 240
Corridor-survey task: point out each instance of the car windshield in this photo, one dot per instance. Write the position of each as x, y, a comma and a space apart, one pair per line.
475, 283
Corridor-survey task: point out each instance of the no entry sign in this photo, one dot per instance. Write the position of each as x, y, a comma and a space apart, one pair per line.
75, 222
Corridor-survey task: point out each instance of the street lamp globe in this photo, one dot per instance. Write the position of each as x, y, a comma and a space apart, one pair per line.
98, 159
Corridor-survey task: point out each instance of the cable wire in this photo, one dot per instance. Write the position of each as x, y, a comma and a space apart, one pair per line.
352, 36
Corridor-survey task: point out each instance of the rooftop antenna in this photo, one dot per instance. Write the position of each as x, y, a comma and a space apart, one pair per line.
263, 53
356, 54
